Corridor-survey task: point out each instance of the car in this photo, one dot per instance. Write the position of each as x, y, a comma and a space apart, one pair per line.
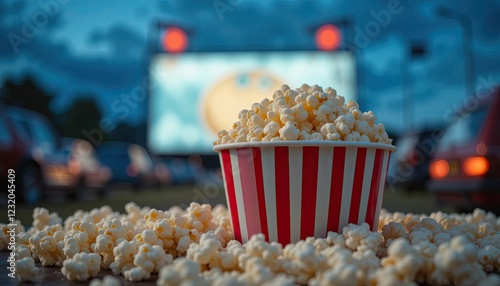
465, 169
50, 164
130, 163
80, 164
18, 155
410, 163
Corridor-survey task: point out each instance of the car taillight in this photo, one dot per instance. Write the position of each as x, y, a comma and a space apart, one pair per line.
475, 166
439, 169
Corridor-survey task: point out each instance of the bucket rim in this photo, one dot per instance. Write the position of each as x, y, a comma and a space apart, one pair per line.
304, 143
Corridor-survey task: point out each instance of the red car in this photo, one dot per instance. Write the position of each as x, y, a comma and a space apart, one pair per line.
465, 169
17, 154
43, 162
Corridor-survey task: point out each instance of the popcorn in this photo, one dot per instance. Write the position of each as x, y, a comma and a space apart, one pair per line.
104, 246
456, 262
206, 250
404, 259
41, 218
301, 114
108, 280
47, 246
82, 266
124, 254
22, 251
435, 249
4, 236
136, 274
71, 247
26, 269
151, 258
182, 270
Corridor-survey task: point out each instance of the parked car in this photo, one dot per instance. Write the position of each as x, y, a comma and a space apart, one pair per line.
82, 166
129, 162
465, 169
44, 161
17, 154
409, 169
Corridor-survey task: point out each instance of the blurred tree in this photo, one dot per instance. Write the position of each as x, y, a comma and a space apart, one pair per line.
28, 94
83, 114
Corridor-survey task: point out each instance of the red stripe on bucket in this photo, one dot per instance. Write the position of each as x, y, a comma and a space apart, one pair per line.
374, 189
259, 178
357, 186
231, 195
336, 188
310, 159
282, 174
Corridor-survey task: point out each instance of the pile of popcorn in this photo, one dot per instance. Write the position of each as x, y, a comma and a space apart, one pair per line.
195, 247
306, 113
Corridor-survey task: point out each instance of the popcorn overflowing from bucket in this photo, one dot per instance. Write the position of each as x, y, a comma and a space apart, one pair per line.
306, 113
303, 164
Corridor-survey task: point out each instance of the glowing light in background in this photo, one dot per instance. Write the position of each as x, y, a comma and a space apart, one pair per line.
328, 37
175, 40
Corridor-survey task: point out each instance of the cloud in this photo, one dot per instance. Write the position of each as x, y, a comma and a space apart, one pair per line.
122, 42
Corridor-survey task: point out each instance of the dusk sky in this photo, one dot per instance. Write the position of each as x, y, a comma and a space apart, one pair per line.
101, 47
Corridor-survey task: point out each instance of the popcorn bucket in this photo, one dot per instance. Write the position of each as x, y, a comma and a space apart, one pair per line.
290, 190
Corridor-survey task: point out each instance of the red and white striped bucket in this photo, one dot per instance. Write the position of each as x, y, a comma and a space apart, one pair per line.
292, 190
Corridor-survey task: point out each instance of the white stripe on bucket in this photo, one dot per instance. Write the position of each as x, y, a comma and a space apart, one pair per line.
270, 191
323, 190
367, 178
295, 159
385, 161
240, 205
349, 168
249, 194
225, 188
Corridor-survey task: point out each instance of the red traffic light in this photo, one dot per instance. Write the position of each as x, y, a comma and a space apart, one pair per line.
175, 40
328, 37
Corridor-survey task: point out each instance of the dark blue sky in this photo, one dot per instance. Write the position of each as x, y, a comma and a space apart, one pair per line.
101, 47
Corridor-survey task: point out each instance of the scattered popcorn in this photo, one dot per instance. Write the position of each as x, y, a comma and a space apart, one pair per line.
306, 113
124, 254
194, 246
108, 280
456, 262
41, 218
4, 236
149, 259
405, 261
82, 266
26, 269
206, 250
47, 245
182, 271
22, 251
